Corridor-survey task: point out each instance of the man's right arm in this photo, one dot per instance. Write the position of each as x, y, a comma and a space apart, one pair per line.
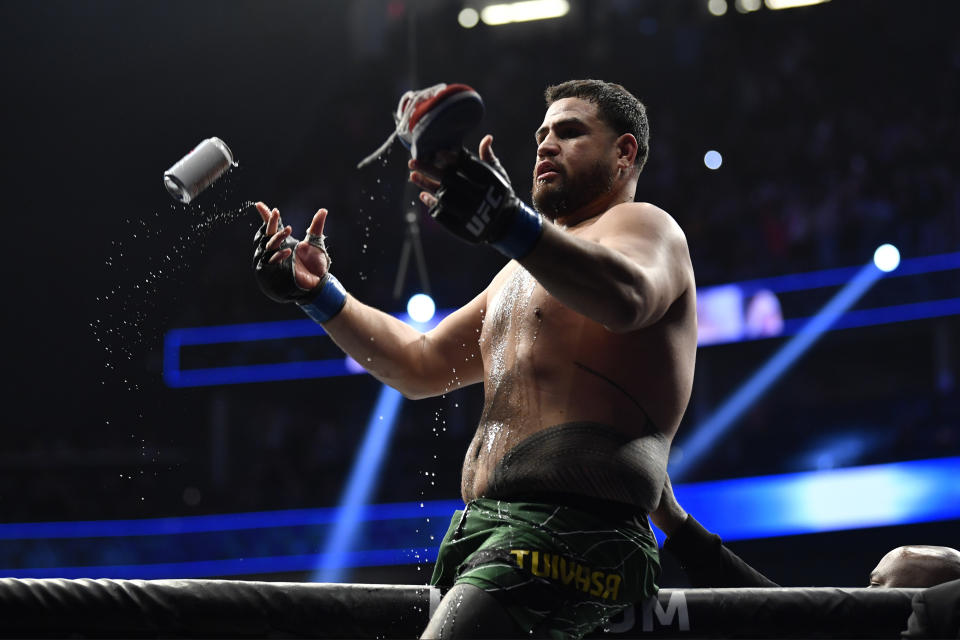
416, 364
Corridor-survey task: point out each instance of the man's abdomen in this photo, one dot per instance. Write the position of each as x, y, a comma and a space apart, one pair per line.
575, 458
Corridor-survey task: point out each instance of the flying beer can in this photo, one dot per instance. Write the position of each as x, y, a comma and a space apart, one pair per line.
198, 169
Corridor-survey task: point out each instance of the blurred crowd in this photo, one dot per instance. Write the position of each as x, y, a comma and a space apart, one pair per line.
838, 130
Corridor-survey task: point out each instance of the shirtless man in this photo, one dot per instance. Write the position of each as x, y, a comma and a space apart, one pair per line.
585, 343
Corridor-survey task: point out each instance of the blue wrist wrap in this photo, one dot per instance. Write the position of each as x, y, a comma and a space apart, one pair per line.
522, 234
328, 302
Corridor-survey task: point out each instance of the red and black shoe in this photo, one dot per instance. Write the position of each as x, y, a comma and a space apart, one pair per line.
432, 120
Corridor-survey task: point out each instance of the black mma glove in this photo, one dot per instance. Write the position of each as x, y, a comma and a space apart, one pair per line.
476, 203
279, 283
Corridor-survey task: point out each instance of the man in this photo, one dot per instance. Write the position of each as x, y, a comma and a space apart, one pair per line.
917, 565
585, 343
708, 563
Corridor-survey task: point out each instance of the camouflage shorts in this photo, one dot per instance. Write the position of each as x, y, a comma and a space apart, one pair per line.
559, 571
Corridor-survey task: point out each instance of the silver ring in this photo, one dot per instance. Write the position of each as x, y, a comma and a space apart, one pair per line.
316, 241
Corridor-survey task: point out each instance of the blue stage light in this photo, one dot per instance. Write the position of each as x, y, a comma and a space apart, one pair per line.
817, 501
704, 435
363, 478
364, 475
221, 522
176, 339
743, 508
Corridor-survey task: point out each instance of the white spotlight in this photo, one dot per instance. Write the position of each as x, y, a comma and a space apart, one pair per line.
468, 18
886, 257
496, 14
712, 159
421, 308
791, 4
717, 7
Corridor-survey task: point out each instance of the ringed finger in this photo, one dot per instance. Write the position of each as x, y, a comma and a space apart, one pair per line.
280, 256
278, 238
424, 181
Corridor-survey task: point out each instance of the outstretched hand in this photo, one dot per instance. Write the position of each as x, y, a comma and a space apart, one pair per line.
311, 261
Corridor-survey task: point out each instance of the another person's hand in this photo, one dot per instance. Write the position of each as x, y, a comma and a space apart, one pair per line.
668, 515
288, 269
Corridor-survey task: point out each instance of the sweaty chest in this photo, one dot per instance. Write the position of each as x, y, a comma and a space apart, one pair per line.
511, 321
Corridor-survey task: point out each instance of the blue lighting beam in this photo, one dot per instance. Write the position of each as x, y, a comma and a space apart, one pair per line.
693, 448
883, 495
175, 376
362, 480
363, 477
819, 501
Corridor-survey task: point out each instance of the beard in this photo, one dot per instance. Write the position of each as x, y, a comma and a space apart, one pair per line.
567, 194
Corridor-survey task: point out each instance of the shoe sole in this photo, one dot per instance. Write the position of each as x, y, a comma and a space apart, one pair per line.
446, 123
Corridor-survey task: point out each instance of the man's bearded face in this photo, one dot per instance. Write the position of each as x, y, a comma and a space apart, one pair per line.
568, 193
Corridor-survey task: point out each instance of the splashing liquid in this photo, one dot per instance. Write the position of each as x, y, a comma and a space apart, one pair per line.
147, 263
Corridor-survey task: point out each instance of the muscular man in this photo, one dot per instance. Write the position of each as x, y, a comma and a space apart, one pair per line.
585, 343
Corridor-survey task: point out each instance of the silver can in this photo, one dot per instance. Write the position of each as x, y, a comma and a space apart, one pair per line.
198, 169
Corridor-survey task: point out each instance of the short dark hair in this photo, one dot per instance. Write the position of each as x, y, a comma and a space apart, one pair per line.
615, 105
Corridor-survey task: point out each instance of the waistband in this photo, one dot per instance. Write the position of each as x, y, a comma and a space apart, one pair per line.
586, 465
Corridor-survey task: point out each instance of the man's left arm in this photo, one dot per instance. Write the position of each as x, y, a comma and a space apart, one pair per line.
625, 275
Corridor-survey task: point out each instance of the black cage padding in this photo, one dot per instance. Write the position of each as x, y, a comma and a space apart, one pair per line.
209, 609
86, 608
813, 612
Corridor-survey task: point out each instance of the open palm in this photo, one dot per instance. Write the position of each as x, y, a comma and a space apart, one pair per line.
311, 262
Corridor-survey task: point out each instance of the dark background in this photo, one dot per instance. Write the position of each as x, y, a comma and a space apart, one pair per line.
839, 130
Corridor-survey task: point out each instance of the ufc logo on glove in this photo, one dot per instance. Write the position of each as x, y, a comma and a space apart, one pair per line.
481, 218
